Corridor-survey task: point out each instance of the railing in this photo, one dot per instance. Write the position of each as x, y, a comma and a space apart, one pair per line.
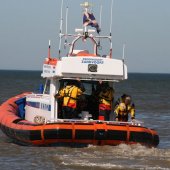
133, 123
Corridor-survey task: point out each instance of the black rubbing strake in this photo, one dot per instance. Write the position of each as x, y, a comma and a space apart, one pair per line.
117, 135
84, 134
142, 137
58, 134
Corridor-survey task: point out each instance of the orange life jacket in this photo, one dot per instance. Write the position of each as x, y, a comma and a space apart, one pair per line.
70, 94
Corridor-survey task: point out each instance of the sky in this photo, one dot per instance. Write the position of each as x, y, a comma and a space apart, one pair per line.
143, 25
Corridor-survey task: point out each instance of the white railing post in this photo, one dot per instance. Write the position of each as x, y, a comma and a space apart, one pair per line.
52, 97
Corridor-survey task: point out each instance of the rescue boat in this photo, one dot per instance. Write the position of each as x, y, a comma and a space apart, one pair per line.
35, 119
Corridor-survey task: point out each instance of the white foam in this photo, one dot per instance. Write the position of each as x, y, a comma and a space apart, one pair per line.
90, 164
117, 157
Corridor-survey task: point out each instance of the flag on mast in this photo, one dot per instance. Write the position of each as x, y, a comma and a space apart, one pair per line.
89, 19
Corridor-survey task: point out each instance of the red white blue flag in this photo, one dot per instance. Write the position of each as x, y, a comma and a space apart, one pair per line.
90, 20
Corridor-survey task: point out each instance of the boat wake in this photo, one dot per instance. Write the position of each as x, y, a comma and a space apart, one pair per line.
84, 158
118, 157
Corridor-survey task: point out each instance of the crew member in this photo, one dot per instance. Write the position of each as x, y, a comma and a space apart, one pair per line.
70, 95
120, 100
93, 102
105, 101
124, 108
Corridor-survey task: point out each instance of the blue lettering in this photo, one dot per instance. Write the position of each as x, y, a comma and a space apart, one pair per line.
92, 61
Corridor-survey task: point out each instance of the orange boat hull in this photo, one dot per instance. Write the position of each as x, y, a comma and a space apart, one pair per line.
96, 133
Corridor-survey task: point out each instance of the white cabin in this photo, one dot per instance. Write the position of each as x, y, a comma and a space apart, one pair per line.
88, 66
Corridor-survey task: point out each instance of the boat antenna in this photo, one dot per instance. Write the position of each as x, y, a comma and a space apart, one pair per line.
123, 59
61, 27
49, 50
111, 29
123, 56
65, 43
101, 7
111, 17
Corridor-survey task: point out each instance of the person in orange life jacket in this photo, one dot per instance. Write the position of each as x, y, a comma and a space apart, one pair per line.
124, 108
70, 95
105, 101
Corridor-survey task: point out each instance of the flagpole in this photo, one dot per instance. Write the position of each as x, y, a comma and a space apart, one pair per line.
85, 28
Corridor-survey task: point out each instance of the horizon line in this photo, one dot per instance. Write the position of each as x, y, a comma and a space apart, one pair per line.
128, 72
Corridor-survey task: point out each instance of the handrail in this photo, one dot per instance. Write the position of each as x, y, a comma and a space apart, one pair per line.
133, 123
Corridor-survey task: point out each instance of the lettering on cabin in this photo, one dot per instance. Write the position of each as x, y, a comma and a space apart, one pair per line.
92, 61
45, 106
47, 66
48, 69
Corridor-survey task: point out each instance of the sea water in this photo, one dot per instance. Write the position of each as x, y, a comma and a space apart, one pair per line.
151, 95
